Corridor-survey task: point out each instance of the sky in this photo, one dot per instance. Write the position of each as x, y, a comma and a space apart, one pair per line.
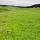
19, 2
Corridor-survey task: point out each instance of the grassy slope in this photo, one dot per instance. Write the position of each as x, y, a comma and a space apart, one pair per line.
19, 24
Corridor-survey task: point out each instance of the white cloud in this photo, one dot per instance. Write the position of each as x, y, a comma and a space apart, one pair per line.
20, 2
27, 2
6, 0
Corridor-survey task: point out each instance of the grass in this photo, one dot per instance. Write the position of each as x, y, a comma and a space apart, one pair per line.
19, 23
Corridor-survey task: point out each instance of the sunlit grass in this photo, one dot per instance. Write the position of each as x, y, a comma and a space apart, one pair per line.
19, 24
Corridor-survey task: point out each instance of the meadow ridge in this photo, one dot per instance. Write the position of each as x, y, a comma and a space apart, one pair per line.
19, 23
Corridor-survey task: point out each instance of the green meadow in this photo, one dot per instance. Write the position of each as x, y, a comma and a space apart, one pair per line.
19, 23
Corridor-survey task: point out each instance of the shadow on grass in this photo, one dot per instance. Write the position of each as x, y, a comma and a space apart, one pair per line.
4, 9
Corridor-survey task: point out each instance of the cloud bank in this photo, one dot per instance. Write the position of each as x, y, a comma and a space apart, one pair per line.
19, 2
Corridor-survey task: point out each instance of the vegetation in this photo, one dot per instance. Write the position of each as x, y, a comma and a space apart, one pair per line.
19, 24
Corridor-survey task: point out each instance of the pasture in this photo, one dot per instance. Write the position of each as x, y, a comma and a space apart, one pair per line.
19, 23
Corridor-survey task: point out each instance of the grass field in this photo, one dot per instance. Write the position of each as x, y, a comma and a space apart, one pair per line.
19, 23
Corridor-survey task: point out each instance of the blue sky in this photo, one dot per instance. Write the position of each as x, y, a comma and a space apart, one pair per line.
20, 2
